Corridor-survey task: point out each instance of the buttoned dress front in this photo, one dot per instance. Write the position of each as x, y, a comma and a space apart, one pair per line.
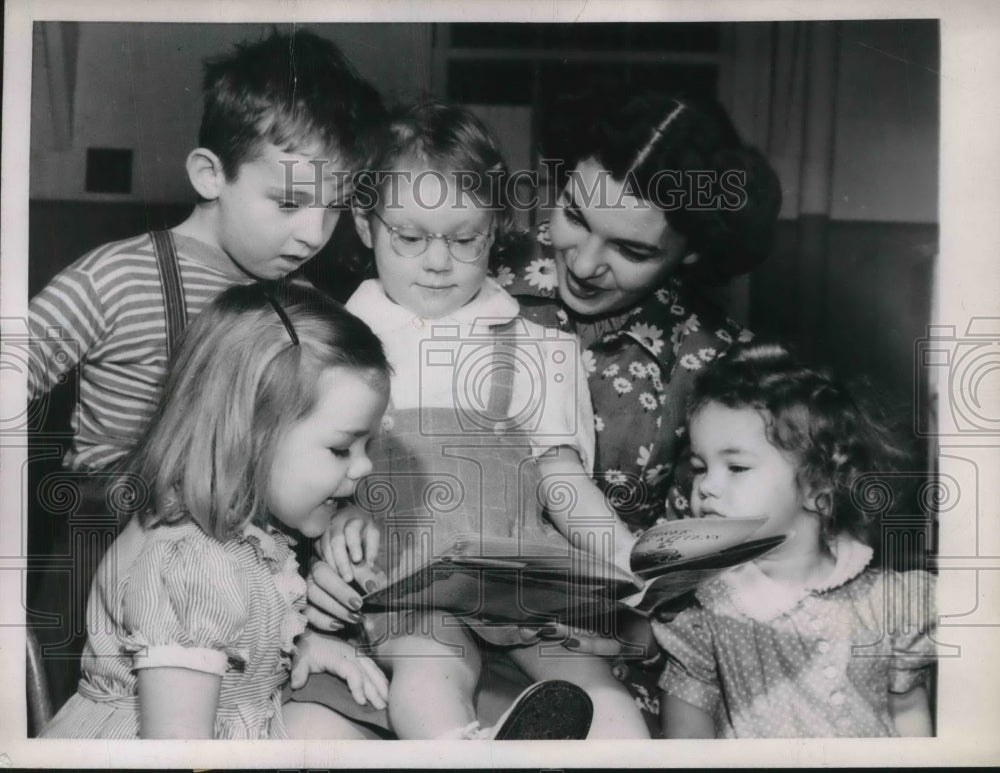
770, 660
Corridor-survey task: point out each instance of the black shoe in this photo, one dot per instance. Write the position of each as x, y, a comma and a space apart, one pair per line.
547, 711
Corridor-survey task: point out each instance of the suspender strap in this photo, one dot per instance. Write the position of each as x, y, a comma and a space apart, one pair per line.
174, 307
505, 363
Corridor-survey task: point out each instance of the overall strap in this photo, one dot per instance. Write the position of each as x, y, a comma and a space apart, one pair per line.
174, 306
504, 364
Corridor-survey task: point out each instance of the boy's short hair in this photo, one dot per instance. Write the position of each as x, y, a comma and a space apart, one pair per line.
294, 91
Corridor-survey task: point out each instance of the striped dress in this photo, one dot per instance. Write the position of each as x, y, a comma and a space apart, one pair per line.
171, 596
105, 312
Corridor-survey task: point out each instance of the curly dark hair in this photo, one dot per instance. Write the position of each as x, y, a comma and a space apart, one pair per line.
808, 413
648, 139
292, 90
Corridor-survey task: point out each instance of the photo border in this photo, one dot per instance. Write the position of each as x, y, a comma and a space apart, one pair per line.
967, 286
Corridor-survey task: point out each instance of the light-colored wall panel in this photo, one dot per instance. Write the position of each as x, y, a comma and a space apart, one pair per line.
138, 86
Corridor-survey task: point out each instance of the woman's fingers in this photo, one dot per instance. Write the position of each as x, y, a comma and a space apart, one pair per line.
328, 593
322, 621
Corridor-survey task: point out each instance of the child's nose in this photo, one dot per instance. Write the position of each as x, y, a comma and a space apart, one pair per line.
588, 259
707, 485
360, 467
315, 224
436, 256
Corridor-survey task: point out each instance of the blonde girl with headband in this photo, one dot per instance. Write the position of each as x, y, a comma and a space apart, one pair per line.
197, 610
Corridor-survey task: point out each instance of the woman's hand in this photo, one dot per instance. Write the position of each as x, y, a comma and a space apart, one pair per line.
347, 549
317, 653
352, 537
332, 600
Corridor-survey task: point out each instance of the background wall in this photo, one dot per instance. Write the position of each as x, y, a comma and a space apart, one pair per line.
850, 279
138, 87
847, 111
886, 128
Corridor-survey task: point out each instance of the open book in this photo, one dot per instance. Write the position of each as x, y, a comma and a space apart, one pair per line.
501, 580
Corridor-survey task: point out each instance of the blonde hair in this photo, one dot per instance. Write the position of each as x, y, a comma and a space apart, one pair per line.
238, 381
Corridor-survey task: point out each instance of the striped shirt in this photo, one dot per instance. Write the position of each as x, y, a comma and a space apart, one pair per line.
173, 597
105, 312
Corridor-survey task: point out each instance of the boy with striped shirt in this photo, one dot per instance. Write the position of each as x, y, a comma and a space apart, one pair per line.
283, 127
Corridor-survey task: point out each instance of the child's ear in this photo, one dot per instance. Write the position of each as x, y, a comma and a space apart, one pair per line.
363, 226
204, 170
819, 501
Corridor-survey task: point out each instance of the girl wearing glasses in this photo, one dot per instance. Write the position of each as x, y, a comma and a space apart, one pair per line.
476, 393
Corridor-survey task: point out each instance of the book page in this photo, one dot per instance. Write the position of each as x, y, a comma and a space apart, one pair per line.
676, 541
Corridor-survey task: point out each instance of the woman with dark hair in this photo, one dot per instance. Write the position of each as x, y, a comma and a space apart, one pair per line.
661, 199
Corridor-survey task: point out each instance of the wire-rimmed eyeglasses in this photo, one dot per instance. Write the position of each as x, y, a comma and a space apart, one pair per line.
465, 248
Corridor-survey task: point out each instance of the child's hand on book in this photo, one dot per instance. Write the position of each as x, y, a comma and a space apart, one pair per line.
352, 538
317, 653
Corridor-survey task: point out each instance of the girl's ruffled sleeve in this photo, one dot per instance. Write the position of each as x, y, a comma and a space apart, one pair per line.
914, 617
690, 672
185, 606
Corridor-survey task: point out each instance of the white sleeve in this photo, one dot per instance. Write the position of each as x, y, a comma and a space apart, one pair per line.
565, 416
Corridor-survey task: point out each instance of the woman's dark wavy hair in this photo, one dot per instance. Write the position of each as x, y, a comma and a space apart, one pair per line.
444, 138
639, 138
835, 438
291, 90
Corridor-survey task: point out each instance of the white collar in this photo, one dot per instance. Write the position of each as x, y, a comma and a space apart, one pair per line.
759, 597
492, 306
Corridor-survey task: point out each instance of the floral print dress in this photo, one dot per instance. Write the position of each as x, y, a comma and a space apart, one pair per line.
641, 366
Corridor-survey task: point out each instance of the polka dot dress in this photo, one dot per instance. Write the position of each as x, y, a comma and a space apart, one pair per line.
767, 660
